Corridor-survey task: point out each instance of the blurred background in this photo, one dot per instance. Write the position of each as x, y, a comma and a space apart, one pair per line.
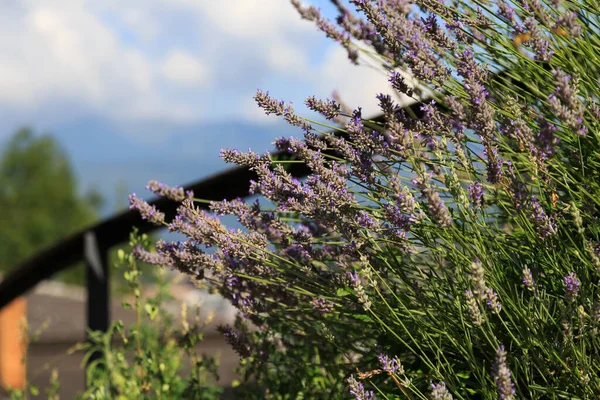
97, 97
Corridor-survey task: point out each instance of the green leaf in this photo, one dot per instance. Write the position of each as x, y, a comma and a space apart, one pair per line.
463, 375
151, 311
342, 292
363, 317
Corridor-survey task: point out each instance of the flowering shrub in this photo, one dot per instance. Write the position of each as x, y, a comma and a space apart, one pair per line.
450, 251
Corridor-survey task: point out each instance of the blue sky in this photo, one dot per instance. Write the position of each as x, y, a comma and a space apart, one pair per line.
143, 89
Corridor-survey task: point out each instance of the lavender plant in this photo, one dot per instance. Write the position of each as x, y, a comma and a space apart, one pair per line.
451, 252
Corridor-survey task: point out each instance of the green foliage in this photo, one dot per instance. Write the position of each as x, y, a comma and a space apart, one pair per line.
39, 199
149, 359
291, 372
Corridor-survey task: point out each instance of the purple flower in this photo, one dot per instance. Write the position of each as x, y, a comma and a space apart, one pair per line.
330, 109
331, 31
570, 24
148, 212
572, 285
437, 208
502, 375
482, 116
546, 140
528, 280
476, 194
396, 217
272, 106
358, 390
238, 341
493, 165
151, 258
439, 392
398, 83
492, 301
298, 252
174, 193
249, 158
545, 225
506, 11
392, 366
187, 257
539, 46
564, 102
323, 306
365, 220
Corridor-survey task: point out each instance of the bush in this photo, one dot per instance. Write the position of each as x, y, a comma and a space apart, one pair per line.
147, 360
448, 252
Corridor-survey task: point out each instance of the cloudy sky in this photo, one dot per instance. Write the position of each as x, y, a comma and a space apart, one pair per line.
147, 74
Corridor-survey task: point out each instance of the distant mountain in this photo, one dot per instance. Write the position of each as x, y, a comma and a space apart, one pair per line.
107, 155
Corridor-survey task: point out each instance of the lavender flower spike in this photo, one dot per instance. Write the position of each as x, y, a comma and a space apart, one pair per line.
358, 390
572, 286
439, 392
528, 280
437, 208
272, 106
148, 212
492, 301
392, 366
473, 309
238, 341
478, 279
330, 109
502, 376
476, 194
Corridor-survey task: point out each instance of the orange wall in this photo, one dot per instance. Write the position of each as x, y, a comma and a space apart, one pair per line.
12, 345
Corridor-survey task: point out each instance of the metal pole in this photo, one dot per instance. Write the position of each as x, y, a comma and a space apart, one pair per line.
98, 298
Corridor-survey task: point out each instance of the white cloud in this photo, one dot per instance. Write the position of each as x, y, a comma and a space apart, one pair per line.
182, 68
65, 53
256, 19
85, 52
269, 30
359, 85
129, 61
286, 59
140, 22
